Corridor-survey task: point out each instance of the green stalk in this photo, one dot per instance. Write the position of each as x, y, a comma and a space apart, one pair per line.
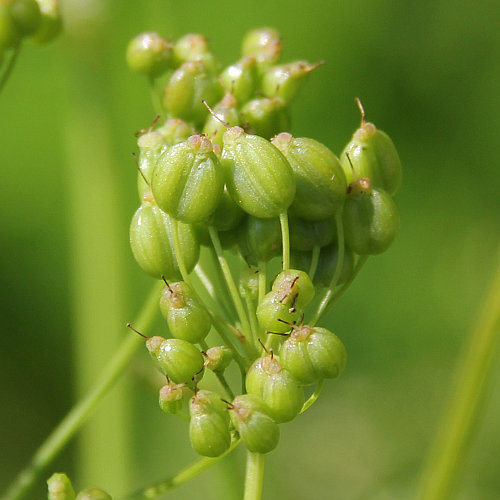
179, 257
10, 67
313, 397
254, 476
473, 374
262, 280
185, 475
336, 275
72, 422
285, 239
254, 327
314, 261
222, 290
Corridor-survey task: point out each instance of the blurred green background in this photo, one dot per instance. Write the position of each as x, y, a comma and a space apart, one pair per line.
428, 73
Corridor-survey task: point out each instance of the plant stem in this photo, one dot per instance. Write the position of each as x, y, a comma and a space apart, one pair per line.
473, 373
223, 294
10, 66
155, 98
314, 261
70, 424
262, 280
178, 255
285, 239
314, 396
254, 476
338, 271
253, 320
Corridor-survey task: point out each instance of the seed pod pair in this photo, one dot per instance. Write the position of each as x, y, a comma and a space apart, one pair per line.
321, 184
259, 178
178, 359
251, 418
370, 217
149, 54
267, 379
151, 239
186, 317
312, 353
187, 182
372, 154
209, 424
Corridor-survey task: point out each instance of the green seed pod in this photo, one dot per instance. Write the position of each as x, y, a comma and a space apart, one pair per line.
265, 116
371, 218
50, 22
170, 398
321, 184
226, 111
149, 54
175, 130
294, 287
263, 239
188, 86
194, 47
151, 145
188, 181
259, 178
209, 424
176, 358
93, 494
278, 389
312, 353
306, 234
227, 215
285, 80
251, 418
373, 155
152, 242
9, 31
218, 358
187, 318
276, 313
26, 15
327, 264
60, 487
249, 283
241, 79
263, 43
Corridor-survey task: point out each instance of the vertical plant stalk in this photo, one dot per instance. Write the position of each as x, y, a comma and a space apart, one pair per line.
314, 261
473, 374
73, 421
10, 67
254, 476
285, 239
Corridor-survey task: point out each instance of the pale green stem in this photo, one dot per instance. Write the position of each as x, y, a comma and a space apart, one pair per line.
253, 320
285, 239
314, 261
254, 476
10, 67
473, 374
336, 275
226, 271
262, 280
180, 478
179, 256
70, 424
314, 396
155, 97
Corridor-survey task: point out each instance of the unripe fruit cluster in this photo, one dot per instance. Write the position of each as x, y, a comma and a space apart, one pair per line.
222, 172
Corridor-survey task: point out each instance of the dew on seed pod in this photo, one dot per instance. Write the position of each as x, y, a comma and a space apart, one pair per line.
93, 494
218, 358
188, 180
370, 218
373, 155
258, 177
265, 116
170, 397
151, 240
209, 425
306, 234
277, 388
186, 316
191, 83
149, 54
252, 419
50, 22
321, 184
285, 80
194, 47
241, 79
225, 112
313, 353
59, 487
263, 43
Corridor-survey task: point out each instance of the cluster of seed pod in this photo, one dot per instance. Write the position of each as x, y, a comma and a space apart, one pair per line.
222, 173
38, 20
60, 488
